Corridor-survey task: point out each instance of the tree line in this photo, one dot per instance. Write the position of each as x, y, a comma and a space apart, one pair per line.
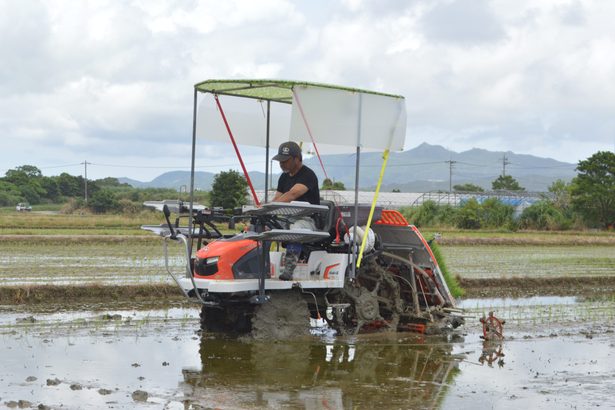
501, 183
26, 183
587, 201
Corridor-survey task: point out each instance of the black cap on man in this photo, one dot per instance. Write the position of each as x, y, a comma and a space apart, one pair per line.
288, 150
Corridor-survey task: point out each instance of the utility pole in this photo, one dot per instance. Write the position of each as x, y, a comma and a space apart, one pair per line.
450, 174
85, 164
504, 163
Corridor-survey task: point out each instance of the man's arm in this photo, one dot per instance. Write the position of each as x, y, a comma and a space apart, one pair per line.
295, 192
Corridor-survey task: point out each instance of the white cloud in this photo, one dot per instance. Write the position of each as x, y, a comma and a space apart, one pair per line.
112, 81
463, 22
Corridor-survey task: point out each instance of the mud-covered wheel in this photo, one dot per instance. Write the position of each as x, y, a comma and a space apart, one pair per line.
227, 319
344, 321
285, 316
371, 303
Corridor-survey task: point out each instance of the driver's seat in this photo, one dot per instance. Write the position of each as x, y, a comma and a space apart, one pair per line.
327, 221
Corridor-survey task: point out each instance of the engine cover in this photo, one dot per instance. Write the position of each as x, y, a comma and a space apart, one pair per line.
239, 256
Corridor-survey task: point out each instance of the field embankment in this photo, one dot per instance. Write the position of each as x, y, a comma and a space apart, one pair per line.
26, 223
52, 294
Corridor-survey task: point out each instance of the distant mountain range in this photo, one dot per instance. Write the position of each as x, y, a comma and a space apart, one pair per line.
421, 169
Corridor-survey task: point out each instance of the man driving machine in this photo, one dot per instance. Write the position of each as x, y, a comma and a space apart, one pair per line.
297, 183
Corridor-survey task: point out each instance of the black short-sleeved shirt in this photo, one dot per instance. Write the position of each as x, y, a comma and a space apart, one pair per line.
304, 176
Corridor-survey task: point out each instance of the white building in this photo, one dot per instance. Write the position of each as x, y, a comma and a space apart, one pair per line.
389, 200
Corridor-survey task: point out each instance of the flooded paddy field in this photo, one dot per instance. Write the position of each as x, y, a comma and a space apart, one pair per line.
557, 353
138, 260
506, 261
85, 260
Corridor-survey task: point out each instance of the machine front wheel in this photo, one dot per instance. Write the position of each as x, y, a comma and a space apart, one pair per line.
226, 319
285, 316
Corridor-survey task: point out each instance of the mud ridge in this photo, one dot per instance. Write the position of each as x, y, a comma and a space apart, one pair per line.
16, 295
473, 288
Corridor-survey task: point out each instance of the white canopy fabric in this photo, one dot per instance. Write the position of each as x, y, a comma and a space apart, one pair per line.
335, 117
352, 119
247, 119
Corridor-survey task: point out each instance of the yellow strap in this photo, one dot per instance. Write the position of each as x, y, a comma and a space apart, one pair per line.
385, 157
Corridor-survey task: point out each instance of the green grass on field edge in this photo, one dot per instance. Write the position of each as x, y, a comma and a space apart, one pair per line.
451, 281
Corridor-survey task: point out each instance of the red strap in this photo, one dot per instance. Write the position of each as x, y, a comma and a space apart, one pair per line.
307, 126
337, 230
245, 172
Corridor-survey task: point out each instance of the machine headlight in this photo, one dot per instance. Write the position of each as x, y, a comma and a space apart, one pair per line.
212, 260
206, 266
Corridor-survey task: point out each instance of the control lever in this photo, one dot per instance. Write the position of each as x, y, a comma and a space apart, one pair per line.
167, 215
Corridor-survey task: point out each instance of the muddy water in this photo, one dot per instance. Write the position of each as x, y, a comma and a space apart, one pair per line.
96, 357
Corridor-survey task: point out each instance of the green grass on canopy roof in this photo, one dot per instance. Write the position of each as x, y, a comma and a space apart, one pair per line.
274, 90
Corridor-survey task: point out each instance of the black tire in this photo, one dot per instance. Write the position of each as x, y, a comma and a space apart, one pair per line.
230, 319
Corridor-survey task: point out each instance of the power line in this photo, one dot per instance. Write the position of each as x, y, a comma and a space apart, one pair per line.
168, 167
62, 166
505, 163
134, 166
379, 165
50, 167
544, 167
475, 165
409, 165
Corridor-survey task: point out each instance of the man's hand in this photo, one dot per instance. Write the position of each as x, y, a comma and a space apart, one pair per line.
295, 192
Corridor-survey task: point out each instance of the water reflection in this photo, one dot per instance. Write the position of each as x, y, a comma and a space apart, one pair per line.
492, 353
158, 352
407, 372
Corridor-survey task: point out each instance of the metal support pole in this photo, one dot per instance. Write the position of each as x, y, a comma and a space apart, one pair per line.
353, 269
263, 266
356, 216
271, 173
267, 170
190, 222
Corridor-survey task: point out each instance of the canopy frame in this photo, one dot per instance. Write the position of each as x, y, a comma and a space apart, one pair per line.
279, 91
241, 88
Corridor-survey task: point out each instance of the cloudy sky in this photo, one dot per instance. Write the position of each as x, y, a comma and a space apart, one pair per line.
110, 82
